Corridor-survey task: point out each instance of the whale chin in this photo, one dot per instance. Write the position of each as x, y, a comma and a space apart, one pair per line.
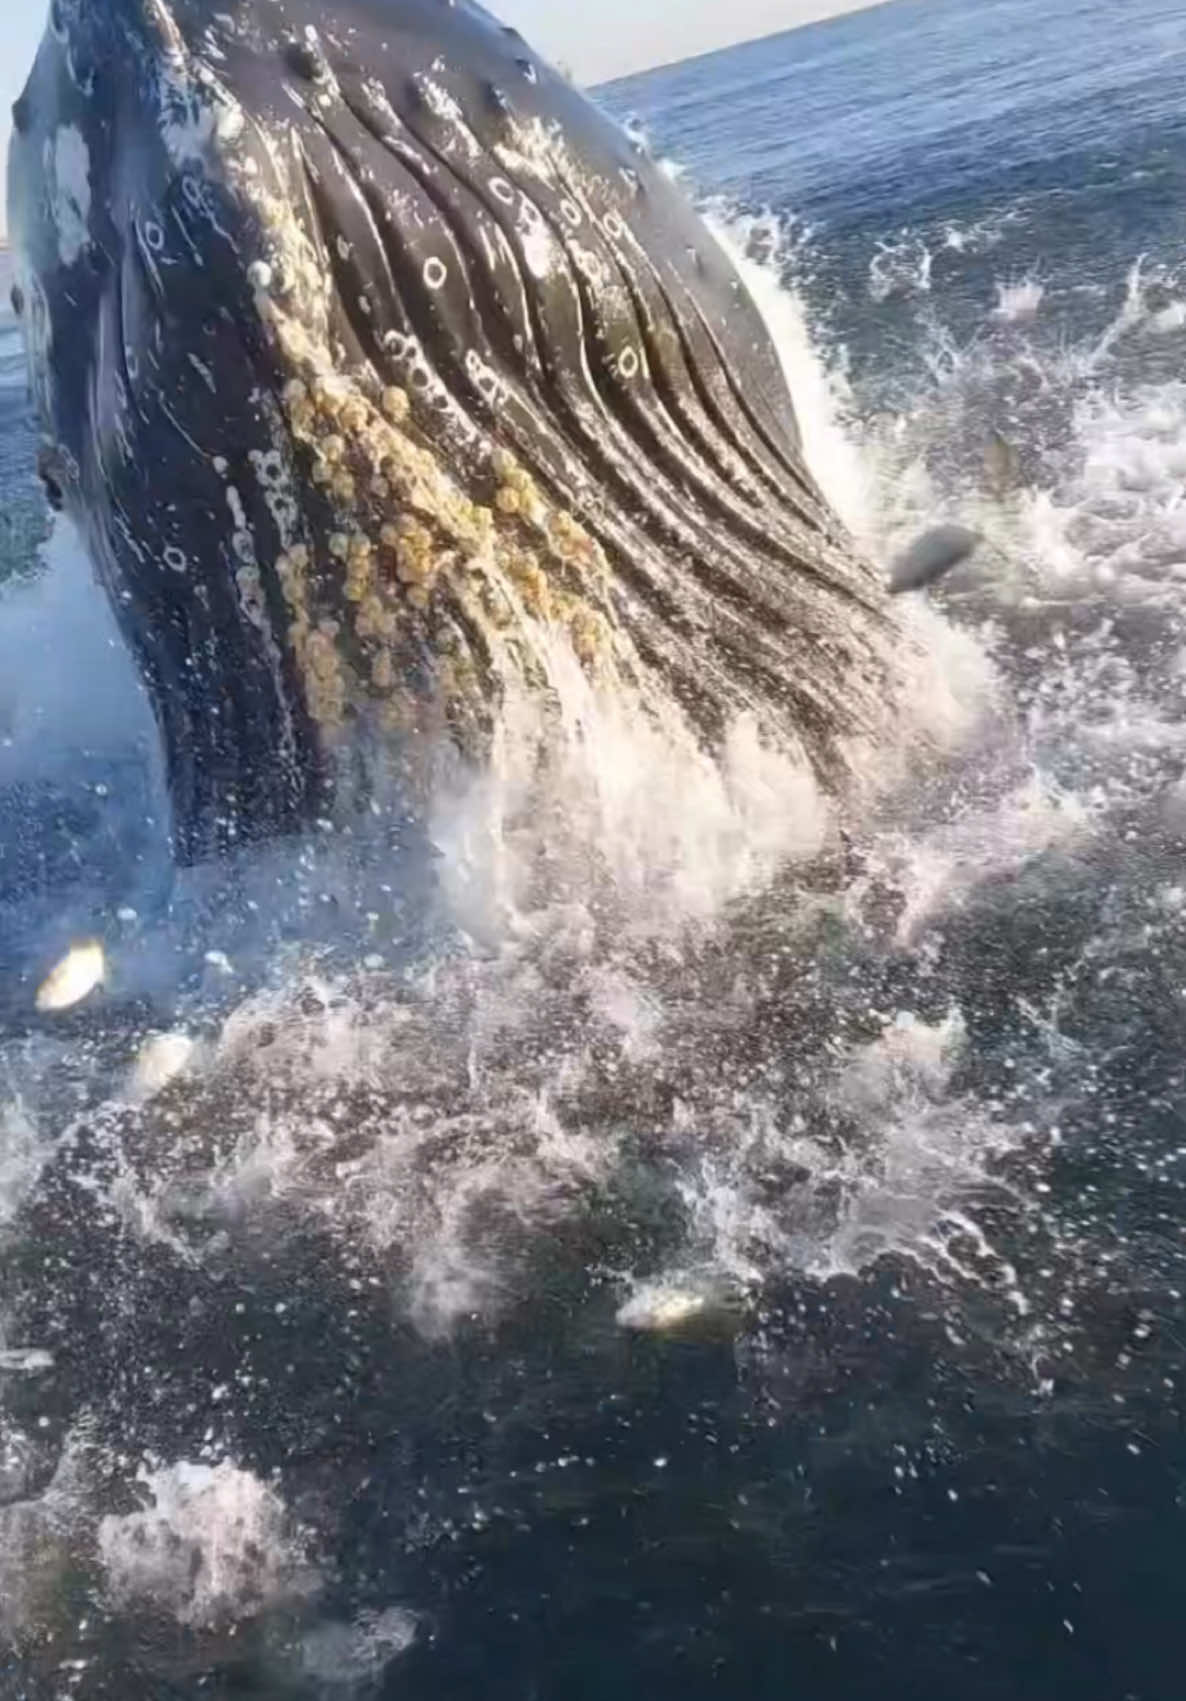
384, 376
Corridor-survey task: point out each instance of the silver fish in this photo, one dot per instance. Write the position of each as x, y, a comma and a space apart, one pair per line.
80, 971
930, 556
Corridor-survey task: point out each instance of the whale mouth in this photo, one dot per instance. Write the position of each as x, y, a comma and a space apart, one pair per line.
386, 388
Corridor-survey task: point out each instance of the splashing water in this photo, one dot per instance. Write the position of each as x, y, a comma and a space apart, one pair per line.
663, 1035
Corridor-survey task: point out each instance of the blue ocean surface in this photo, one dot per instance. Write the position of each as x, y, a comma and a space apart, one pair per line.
789, 1305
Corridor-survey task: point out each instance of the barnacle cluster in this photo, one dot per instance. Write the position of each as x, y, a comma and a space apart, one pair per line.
410, 576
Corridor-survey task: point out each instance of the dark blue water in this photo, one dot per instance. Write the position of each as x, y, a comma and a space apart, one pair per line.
341, 1400
1002, 139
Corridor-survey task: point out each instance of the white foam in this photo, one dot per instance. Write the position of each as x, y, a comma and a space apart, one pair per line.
21, 1156
213, 1545
1018, 299
900, 1184
900, 267
626, 804
938, 868
38, 1535
161, 1059
345, 1656
818, 388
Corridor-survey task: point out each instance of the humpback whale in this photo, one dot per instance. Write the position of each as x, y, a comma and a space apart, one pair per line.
378, 368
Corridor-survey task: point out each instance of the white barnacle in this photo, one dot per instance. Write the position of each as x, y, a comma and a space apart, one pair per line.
175, 559
628, 363
68, 176
269, 467
259, 274
571, 212
613, 226
154, 235
589, 265
502, 191
435, 273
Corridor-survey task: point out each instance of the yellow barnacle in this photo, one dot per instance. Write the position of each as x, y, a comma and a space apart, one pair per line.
322, 657
339, 545
383, 671
360, 578
353, 414
412, 565
368, 622
344, 487
380, 487
507, 500
389, 536
418, 596
328, 398
360, 547
395, 403
303, 421
398, 713
295, 392
333, 448
585, 629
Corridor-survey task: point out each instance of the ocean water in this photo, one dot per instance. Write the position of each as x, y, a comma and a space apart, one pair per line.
771, 1281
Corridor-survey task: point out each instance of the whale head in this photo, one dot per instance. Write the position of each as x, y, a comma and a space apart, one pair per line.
377, 368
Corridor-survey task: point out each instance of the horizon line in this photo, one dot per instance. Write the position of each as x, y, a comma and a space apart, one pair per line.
744, 41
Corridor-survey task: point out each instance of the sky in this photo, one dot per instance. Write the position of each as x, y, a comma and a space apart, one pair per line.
611, 37
604, 39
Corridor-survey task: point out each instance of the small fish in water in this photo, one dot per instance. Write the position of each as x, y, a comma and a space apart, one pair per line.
80, 971
162, 1058
930, 556
673, 1308
1002, 465
25, 1361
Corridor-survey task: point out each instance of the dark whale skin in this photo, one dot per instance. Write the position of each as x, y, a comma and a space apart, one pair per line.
372, 360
